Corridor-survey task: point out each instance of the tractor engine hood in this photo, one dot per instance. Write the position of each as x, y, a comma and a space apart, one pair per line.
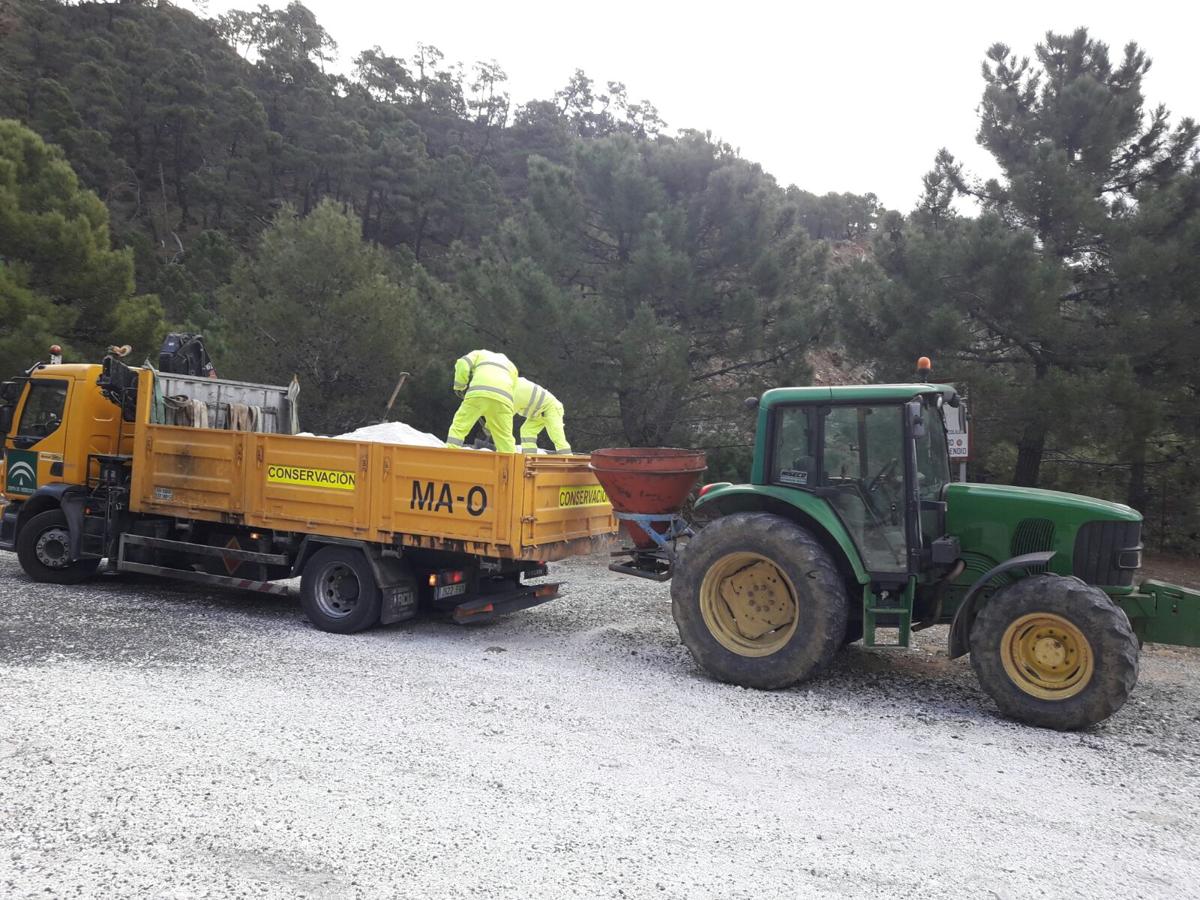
1096, 540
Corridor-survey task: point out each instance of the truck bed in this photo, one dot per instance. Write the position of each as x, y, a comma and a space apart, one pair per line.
490, 504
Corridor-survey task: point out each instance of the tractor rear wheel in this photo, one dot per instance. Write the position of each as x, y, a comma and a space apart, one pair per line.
1054, 652
758, 601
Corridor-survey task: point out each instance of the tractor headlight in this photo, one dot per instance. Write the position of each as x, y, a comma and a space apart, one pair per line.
1130, 559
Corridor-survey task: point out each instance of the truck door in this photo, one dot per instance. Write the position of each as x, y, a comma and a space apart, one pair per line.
34, 446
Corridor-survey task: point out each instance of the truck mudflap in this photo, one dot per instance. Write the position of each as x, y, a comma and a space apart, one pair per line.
1163, 613
488, 606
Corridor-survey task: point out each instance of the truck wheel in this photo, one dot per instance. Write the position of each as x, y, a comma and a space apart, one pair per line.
758, 601
1054, 652
44, 551
338, 591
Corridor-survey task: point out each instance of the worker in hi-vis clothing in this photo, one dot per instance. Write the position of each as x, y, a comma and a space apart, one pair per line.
487, 382
541, 410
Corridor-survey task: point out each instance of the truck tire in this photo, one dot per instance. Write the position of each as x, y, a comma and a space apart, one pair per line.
758, 601
44, 548
338, 591
1054, 652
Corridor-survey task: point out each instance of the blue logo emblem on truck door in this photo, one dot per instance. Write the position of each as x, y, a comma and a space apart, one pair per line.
20, 474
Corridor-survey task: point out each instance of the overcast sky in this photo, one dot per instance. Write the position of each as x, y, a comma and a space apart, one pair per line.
838, 97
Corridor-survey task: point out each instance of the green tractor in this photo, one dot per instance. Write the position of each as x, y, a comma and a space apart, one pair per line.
851, 524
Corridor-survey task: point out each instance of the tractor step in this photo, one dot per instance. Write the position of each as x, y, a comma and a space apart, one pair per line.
903, 613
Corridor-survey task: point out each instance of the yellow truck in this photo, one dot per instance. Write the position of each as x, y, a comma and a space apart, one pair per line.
142, 469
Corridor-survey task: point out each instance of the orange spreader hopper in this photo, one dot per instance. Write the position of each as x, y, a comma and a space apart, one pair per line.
647, 487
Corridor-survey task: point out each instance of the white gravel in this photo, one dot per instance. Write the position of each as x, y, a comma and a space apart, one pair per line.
168, 741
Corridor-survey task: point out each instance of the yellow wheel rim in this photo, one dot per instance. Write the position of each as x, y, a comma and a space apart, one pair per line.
1046, 656
748, 604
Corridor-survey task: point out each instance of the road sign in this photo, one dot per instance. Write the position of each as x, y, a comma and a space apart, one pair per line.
958, 432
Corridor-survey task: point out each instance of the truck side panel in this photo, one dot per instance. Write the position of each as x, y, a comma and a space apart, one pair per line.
489, 504
459, 495
563, 502
189, 472
309, 484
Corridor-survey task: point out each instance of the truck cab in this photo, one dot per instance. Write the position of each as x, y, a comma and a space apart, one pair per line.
54, 421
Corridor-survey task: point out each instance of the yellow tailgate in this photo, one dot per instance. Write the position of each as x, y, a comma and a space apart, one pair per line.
564, 507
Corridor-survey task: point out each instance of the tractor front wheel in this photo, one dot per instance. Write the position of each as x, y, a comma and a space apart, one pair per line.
758, 601
1054, 652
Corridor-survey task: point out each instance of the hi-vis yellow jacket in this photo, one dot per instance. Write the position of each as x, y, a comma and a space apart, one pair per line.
482, 373
532, 399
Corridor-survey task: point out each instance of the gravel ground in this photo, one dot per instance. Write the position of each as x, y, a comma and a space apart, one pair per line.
167, 741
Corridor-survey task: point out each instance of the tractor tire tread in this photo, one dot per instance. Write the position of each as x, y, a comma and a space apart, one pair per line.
1107, 628
819, 634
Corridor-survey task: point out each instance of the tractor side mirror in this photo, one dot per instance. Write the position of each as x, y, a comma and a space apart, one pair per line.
751, 403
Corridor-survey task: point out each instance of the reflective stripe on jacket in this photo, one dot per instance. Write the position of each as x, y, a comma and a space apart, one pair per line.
531, 399
486, 373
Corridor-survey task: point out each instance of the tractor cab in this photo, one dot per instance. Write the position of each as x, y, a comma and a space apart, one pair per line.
877, 455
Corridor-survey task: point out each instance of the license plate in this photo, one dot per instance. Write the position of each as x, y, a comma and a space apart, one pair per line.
539, 572
450, 590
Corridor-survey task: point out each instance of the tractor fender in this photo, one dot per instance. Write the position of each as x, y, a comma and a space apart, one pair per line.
70, 497
805, 509
964, 617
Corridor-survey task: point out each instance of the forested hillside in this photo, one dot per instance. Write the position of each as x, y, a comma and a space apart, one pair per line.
347, 228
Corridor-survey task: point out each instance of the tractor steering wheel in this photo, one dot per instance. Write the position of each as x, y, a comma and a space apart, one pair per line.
883, 473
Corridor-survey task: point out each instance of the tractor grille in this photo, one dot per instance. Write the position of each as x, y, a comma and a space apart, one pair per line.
1108, 553
1032, 536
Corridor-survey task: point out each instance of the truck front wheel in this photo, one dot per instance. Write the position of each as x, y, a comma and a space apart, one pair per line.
338, 591
1054, 652
758, 601
44, 550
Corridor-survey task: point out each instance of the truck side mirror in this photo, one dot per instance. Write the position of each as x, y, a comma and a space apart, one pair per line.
6, 417
751, 403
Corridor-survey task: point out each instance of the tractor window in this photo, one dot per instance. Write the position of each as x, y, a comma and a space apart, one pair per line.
864, 468
43, 410
933, 457
794, 456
